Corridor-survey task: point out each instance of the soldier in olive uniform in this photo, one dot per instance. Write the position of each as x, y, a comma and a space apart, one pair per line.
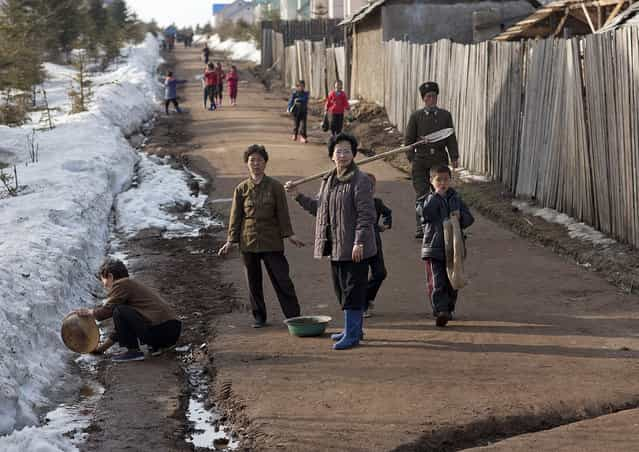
425, 156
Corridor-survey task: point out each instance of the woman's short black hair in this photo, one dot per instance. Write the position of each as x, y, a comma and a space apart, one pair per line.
255, 149
114, 267
169, 73
342, 137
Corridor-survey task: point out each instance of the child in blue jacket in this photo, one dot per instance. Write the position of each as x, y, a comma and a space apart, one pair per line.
298, 107
170, 92
434, 208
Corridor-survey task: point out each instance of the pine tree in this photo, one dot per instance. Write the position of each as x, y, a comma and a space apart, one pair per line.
64, 23
119, 13
20, 58
97, 20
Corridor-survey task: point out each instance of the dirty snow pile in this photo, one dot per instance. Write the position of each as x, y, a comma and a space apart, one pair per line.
53, 234
158, 187
238, 50
576, 229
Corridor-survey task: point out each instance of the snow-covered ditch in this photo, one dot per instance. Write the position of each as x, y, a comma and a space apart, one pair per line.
54, 234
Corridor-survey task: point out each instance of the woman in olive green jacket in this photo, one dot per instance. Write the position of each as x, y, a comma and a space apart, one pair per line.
259, 221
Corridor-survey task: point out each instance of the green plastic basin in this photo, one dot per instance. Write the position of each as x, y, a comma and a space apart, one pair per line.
307, 325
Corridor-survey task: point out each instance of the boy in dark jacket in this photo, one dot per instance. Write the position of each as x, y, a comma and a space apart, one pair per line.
376, 264
434, 208
298, 107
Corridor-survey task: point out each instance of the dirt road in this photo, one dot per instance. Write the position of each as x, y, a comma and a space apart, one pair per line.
537, 342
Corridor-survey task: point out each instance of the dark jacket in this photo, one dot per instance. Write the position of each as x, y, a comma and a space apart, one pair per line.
298, 103
345, 215
422, 123
259, 218
384, 213
434, 209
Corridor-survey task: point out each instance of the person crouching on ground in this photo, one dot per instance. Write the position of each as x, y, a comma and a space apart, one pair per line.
139, 315
345, 217
336, 105
232, 81
259, 221
210, 86
170, 92
434, 209
298, 108
376, 264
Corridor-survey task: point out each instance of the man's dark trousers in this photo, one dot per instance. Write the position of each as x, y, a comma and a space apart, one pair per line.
131, 326
278, 272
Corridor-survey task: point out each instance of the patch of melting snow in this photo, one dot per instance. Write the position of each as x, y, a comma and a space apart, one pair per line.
466, 175
209, 431
206, 431
576, 229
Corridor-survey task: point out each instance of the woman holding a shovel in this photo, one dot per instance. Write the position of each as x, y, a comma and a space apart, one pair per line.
345, 218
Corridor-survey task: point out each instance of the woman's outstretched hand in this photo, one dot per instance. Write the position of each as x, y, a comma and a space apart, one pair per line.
225, 249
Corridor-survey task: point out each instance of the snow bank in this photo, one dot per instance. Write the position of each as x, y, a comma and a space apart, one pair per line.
53, 234
160, 188
238, 50
576, 229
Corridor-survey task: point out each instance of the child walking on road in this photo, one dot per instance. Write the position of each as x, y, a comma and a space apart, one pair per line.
232, 80
221, 75
298, 107
336, 105
436, 207
210, 85
376, 264
170, 92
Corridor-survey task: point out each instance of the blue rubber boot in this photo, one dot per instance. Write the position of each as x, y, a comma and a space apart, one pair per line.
352, 329
338, 336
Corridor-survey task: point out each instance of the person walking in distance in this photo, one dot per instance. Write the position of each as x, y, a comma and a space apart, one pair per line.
210, 85
336, 105
232, 80
423, 157
298, 108
170, 92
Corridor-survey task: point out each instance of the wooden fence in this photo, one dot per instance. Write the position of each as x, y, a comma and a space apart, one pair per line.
315, 63
554, 120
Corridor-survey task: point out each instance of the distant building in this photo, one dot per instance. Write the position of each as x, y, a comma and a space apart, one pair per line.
239, 10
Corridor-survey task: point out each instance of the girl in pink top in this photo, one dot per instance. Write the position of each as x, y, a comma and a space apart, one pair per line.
232, 79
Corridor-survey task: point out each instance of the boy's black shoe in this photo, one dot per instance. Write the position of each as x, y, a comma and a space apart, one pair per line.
419, 235
442, 318
129, 355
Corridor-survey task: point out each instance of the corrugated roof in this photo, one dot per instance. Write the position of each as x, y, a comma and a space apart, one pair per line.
362, 12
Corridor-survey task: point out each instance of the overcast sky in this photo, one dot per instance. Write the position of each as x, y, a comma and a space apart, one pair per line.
182, 12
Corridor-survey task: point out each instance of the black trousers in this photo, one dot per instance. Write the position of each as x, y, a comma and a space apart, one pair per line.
300, 124
337, 123
278, 272
167, 102
349, 281
219, 92
378, 273
131, 329
441, 294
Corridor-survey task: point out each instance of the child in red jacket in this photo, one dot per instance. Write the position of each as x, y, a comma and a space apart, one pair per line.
210, 85
232, 79
336, 104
